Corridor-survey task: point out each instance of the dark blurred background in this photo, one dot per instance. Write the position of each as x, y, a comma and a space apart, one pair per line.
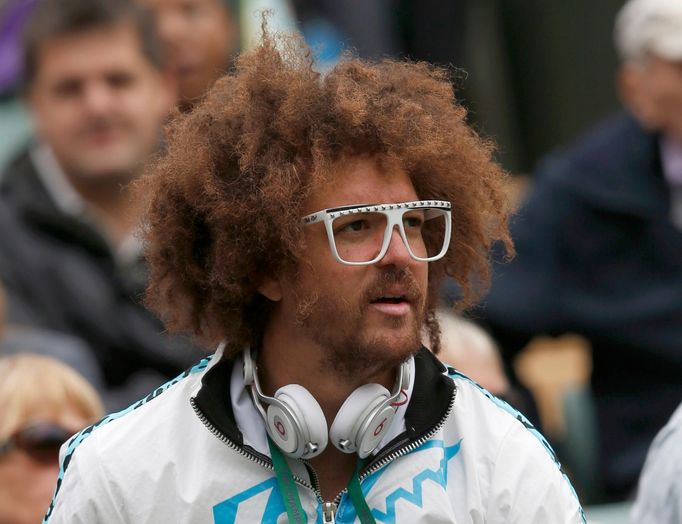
534, 73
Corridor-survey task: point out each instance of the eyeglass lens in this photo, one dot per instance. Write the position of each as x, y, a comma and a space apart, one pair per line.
359, 237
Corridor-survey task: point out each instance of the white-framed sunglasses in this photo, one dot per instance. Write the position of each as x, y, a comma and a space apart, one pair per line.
360, 234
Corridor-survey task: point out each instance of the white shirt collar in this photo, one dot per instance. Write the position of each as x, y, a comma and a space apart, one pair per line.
57, 185
252, 426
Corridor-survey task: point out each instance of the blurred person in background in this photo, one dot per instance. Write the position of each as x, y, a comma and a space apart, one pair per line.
659, 493
15, 128
15, 338
599, 245
98, 92
42, 403
20, 338
200, 38
472, 351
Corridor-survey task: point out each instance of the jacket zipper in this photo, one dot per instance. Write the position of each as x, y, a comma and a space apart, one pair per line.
329, 508
329, 512
402, 449
257, 458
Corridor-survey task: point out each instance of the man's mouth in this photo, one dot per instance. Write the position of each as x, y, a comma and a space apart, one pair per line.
103, 133
185, 70
391, 299
392, 305
394, 294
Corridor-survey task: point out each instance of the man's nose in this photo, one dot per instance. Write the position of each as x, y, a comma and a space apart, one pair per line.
99, 98
174, 30
396, 253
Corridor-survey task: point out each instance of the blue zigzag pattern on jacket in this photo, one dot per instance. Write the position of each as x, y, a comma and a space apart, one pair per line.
439, 476
226, 512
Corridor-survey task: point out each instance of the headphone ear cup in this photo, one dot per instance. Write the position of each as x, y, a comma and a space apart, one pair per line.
309, 425
362, 420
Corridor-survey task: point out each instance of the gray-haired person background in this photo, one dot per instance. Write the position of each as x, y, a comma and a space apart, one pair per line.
598, 248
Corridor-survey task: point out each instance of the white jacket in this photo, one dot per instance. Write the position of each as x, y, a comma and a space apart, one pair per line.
179, 457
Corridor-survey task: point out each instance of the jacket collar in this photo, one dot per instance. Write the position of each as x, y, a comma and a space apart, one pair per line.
39, 192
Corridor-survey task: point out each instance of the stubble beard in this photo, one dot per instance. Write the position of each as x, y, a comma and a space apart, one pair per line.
352, 348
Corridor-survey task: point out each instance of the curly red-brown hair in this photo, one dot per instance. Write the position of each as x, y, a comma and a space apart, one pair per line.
223, 201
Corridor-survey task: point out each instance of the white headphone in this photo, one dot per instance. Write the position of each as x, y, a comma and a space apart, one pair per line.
296, 424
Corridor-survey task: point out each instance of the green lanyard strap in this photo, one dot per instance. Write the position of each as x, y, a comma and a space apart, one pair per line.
285, 480
358, 499
292, 502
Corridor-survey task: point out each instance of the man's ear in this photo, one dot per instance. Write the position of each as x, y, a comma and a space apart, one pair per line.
271, 288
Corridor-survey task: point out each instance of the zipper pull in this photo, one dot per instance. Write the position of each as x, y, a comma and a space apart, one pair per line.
328, 512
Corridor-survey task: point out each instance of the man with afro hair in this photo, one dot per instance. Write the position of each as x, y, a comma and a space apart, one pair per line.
303, 222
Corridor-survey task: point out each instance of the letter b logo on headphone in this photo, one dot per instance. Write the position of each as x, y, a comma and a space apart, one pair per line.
279, 426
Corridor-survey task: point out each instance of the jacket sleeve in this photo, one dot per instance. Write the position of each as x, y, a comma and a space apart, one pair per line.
528, 486
83, 495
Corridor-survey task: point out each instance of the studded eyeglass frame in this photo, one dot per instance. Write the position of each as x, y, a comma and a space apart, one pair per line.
394, 215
